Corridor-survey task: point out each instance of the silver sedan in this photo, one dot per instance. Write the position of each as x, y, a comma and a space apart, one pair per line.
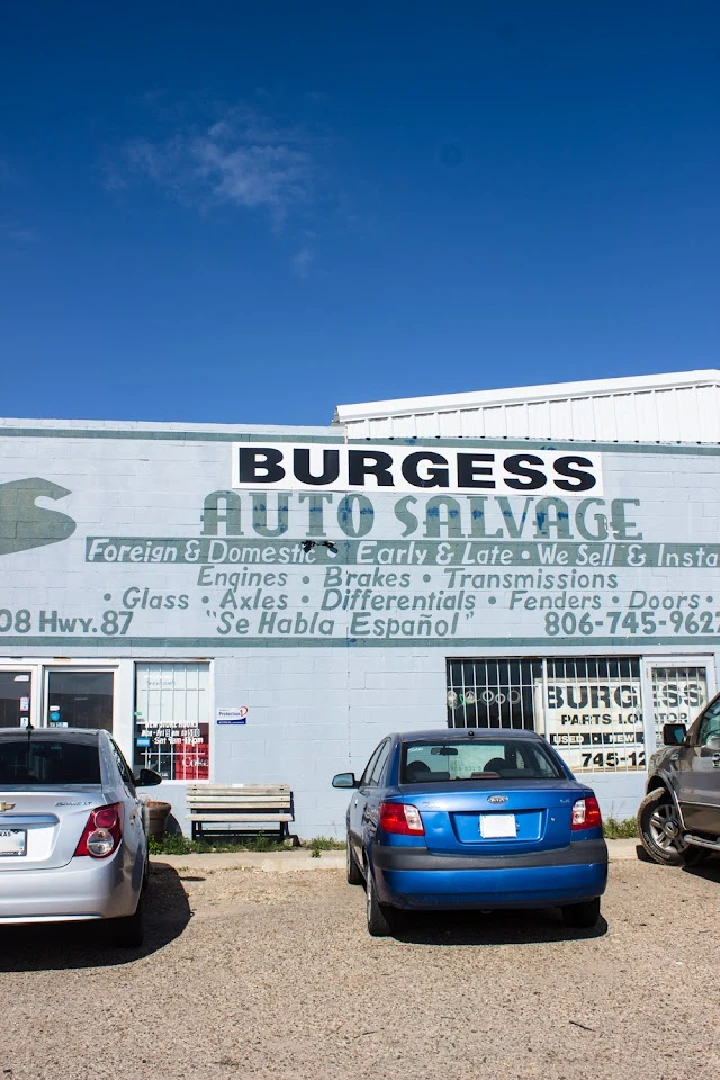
72, 832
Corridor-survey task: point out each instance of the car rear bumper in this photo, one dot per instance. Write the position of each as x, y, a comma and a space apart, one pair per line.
84, 889
415, 878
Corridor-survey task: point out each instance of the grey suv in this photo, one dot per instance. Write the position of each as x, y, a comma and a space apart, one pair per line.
679, 818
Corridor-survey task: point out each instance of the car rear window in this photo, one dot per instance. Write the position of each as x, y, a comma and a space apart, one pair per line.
48, 761
512, 759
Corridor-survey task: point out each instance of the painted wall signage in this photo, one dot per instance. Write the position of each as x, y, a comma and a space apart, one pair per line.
210, 543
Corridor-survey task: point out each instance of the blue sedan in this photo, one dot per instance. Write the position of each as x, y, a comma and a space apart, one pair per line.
470, 818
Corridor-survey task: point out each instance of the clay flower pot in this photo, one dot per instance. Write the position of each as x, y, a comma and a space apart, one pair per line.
156, 816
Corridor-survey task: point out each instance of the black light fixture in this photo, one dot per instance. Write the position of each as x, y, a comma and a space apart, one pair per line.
308, 545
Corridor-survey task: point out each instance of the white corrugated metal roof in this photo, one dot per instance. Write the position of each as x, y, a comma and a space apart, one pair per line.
674, 407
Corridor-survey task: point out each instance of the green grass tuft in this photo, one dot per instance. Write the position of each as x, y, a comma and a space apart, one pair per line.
615, 829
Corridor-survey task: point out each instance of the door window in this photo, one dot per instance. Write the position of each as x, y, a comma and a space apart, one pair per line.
80, 699
679, 692
123, 767
172, 726
14, 698
709, 725
379, 764
367, 773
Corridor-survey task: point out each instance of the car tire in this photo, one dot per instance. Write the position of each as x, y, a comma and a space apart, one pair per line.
129, 932
381, 920
695, 856
582, 916
353, 871
659, 828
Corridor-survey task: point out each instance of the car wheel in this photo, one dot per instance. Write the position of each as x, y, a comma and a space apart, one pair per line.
353, 871
381, 920
129, 933
694, 856
659, 828
583, 916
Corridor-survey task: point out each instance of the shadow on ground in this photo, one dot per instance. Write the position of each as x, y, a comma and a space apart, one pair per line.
63, 946
491, 928
708, 870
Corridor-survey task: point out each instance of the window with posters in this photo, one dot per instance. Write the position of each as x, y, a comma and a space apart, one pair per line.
589, 708
172, 720
592, 713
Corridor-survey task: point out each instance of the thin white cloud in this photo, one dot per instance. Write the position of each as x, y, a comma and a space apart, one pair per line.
303, 260
17, 233
244, 159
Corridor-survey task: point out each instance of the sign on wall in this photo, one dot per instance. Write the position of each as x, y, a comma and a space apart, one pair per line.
596, 724
212, 543
399, 467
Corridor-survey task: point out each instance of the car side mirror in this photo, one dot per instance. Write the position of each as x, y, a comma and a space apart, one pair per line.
148, 778
345, 780
674, 734
713, 743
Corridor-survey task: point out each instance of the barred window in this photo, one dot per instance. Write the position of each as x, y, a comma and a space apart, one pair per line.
589, 708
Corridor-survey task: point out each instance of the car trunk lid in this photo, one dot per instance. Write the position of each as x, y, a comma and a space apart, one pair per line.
497, 819
40, 827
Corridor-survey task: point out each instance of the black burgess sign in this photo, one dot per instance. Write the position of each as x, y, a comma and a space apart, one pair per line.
401, 468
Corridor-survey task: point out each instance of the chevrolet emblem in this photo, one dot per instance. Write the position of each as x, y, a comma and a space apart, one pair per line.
6, 806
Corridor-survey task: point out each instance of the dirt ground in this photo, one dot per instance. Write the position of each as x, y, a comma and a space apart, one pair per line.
251, 974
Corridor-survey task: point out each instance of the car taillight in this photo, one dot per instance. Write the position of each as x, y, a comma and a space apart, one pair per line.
402, 818
586, 814
103, 832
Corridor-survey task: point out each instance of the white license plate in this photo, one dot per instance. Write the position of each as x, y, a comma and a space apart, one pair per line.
495, 826
13, 842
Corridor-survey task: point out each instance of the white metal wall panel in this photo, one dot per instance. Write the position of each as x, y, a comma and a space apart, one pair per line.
495, 422
605, 417
403, 426
583, 420
539, 420
515, 419
561, 424
667, 414
472, 423
449, 423
708, 414
647, 417
684, 407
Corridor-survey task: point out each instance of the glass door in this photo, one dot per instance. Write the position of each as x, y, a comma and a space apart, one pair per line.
79, 698
15, 698
677, 689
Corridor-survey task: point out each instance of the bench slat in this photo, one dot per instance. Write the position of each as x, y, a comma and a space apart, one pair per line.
269, 816
210, 797
235, 789
246, 804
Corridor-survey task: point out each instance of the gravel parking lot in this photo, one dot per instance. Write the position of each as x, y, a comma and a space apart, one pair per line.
273, 975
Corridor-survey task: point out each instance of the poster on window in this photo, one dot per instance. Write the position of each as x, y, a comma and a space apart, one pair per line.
171, 720
595, 724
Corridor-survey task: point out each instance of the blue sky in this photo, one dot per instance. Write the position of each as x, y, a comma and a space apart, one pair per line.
233, 212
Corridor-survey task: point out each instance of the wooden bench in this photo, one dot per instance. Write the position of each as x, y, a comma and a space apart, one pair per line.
249, 806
